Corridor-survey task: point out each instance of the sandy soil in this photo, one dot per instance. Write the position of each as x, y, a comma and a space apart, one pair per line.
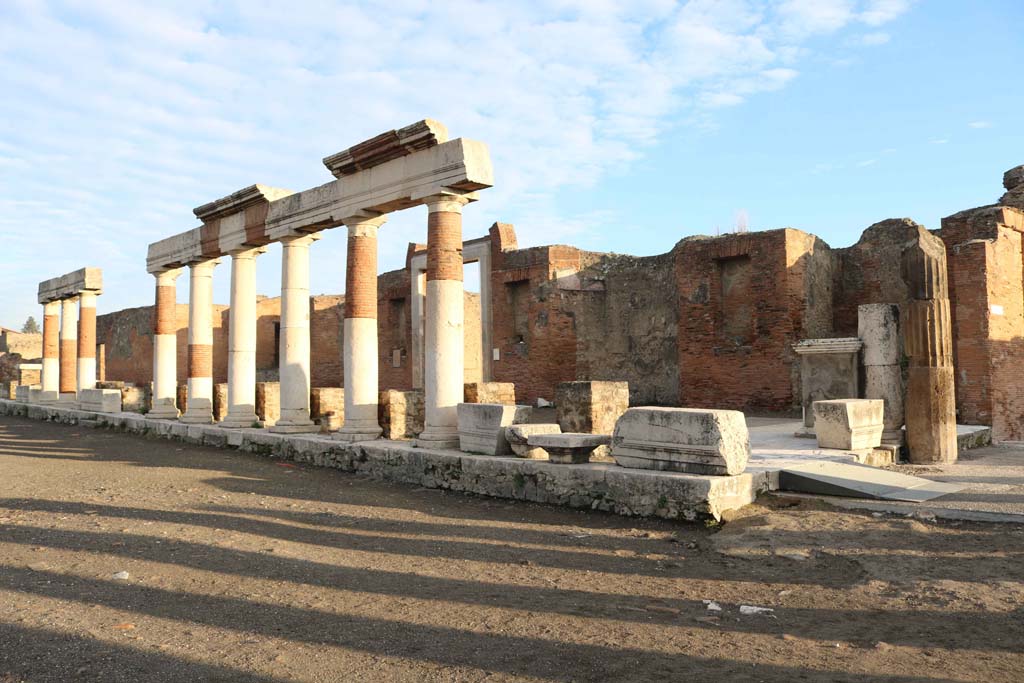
248, 569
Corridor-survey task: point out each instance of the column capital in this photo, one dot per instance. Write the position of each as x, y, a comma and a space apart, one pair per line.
71, 300
300, 240
166, 278
51, 308
247, 252
202, 267
363, 224
449, 203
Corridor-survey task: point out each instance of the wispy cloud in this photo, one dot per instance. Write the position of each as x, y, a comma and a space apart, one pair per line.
119, 116
938, 141
866, 163
980, 124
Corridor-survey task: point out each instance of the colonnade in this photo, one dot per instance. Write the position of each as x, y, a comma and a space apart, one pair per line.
443, 377
69, 344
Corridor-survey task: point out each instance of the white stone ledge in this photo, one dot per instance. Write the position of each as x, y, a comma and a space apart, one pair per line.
598, 486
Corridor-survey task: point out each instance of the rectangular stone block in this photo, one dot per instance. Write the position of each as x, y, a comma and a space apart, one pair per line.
10, 390
591, 407
324, 400
21, 393
268, 402
100, 400
682, 440
482, 426
135, 399
851, 424
400, 413
220, 401
490, 392
518, 436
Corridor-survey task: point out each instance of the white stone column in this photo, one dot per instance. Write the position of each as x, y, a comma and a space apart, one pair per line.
199, 407
294, 344
361, 353
165, 346
86, 340
69, 349
444, 336
242, 341
50, 380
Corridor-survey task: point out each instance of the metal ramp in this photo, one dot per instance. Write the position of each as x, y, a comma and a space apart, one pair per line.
860, 481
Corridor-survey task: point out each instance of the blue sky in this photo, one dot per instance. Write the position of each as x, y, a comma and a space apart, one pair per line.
613, 126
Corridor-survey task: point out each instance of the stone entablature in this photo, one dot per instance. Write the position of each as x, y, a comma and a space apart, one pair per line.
387, 146
71, 284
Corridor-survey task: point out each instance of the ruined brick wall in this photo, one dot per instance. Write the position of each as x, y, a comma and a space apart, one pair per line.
626, 311
986, 276
743, 301
29, 346
394, 330
533, 320
326, 340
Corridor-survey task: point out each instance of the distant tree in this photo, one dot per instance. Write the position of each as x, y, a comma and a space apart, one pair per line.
30, 326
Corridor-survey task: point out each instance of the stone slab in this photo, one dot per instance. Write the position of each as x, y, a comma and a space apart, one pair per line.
691, 440
71, 284
518, 436
849, 423
100, 400
570, 448
861, 481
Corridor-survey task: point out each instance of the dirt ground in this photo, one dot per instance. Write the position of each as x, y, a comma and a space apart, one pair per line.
242, 568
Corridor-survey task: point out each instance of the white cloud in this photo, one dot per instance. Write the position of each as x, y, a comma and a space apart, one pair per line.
866, 163
938, 141
980, 124
119, 116
872, 39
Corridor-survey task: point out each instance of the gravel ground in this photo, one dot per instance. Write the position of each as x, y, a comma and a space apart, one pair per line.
130, 559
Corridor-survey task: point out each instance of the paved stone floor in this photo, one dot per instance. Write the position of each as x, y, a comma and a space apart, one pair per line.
244, 568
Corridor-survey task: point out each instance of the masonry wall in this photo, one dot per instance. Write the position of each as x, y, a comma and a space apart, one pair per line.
29, 346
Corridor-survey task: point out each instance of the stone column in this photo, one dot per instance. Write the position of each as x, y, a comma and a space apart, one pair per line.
199, 406
443, 337
930, 401
69, 349
86, 341
242, 340
878, 326
50, 379
361, 353
294, 344
165, 346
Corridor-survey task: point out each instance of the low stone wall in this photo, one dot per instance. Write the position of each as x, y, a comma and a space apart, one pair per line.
595, 486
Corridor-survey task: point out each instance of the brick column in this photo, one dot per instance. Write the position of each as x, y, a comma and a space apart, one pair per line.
69, 349
443, 336
242, 341
165, 346
50, 379
199, 406
87, 340
294, 344
360, 352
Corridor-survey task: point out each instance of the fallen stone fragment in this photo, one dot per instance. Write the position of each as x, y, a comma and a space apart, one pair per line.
120, 576
749, 610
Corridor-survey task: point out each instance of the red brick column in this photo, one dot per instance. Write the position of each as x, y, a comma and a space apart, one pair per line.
69, 348
50, 379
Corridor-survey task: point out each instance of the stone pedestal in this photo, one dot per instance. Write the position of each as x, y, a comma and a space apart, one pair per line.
199, 403
828, 370
50, 376
69, 349
361, 359
878, 326
482, 426
294, 369
401, 413
86, 371
165, 346
444, 320
568, 449
930, 401
242, 341
850, 424
682, 440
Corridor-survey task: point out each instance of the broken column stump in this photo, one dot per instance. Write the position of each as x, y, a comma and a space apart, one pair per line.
930, 401
878, 326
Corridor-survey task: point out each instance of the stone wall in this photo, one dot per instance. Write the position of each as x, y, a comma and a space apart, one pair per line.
29, 346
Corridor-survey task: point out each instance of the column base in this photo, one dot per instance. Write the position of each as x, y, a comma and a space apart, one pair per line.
200, 417
45, 397
438, 439
163, 414
241, 421
307, 427
352, 434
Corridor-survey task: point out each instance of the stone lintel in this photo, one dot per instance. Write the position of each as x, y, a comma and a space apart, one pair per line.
238, 201
457, 167
809, 347
387, 146
71, 284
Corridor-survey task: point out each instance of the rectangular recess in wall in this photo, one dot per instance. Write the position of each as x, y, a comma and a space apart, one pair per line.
735, 299
518, 293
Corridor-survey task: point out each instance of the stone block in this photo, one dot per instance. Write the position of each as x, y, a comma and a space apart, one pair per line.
482, 426
134, 399
828, 370
518, 436
329, 422
878, 326
268, 402
220, 401
10, 390
850, 424
324, 400
490, 392
181, 396
21, 393
401, 413
591, 407
572, 448
100, 400
682, 440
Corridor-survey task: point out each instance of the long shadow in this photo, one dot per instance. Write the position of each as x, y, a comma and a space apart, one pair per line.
40, 655
916, 628
524, 656
427, 548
